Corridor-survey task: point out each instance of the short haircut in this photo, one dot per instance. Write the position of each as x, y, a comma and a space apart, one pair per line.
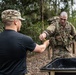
64, 14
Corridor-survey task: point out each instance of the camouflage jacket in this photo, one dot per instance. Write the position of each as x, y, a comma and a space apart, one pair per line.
59, 35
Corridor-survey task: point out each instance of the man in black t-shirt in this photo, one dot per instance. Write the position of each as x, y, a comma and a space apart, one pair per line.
14, 45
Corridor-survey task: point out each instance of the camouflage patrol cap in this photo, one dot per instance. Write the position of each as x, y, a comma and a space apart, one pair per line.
11, 15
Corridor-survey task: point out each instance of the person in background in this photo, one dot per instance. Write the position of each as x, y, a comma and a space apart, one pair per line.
61, 34
14, 45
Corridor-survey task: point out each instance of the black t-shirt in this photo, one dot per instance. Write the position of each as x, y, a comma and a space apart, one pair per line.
13, 48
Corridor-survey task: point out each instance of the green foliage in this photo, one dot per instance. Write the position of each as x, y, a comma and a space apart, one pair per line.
73, 21
31, 10
32, 30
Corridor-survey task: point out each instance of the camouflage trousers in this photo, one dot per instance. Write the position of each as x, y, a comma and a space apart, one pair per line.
61, 53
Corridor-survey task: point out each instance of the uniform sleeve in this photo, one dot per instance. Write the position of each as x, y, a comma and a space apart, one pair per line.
73, 31
50, 30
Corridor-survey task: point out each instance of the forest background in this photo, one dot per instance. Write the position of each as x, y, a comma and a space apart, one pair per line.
37, 13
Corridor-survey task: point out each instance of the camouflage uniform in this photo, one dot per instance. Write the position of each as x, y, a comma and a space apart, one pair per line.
53, 19
61, 39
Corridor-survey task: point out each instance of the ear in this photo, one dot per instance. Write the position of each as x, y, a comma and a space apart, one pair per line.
15, 22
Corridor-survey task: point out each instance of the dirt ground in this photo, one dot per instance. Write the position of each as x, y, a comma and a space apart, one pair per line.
35, 62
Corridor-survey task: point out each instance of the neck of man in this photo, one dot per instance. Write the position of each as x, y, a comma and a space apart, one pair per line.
11, 27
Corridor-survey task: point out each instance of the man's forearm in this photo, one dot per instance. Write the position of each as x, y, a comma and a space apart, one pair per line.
46, 43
